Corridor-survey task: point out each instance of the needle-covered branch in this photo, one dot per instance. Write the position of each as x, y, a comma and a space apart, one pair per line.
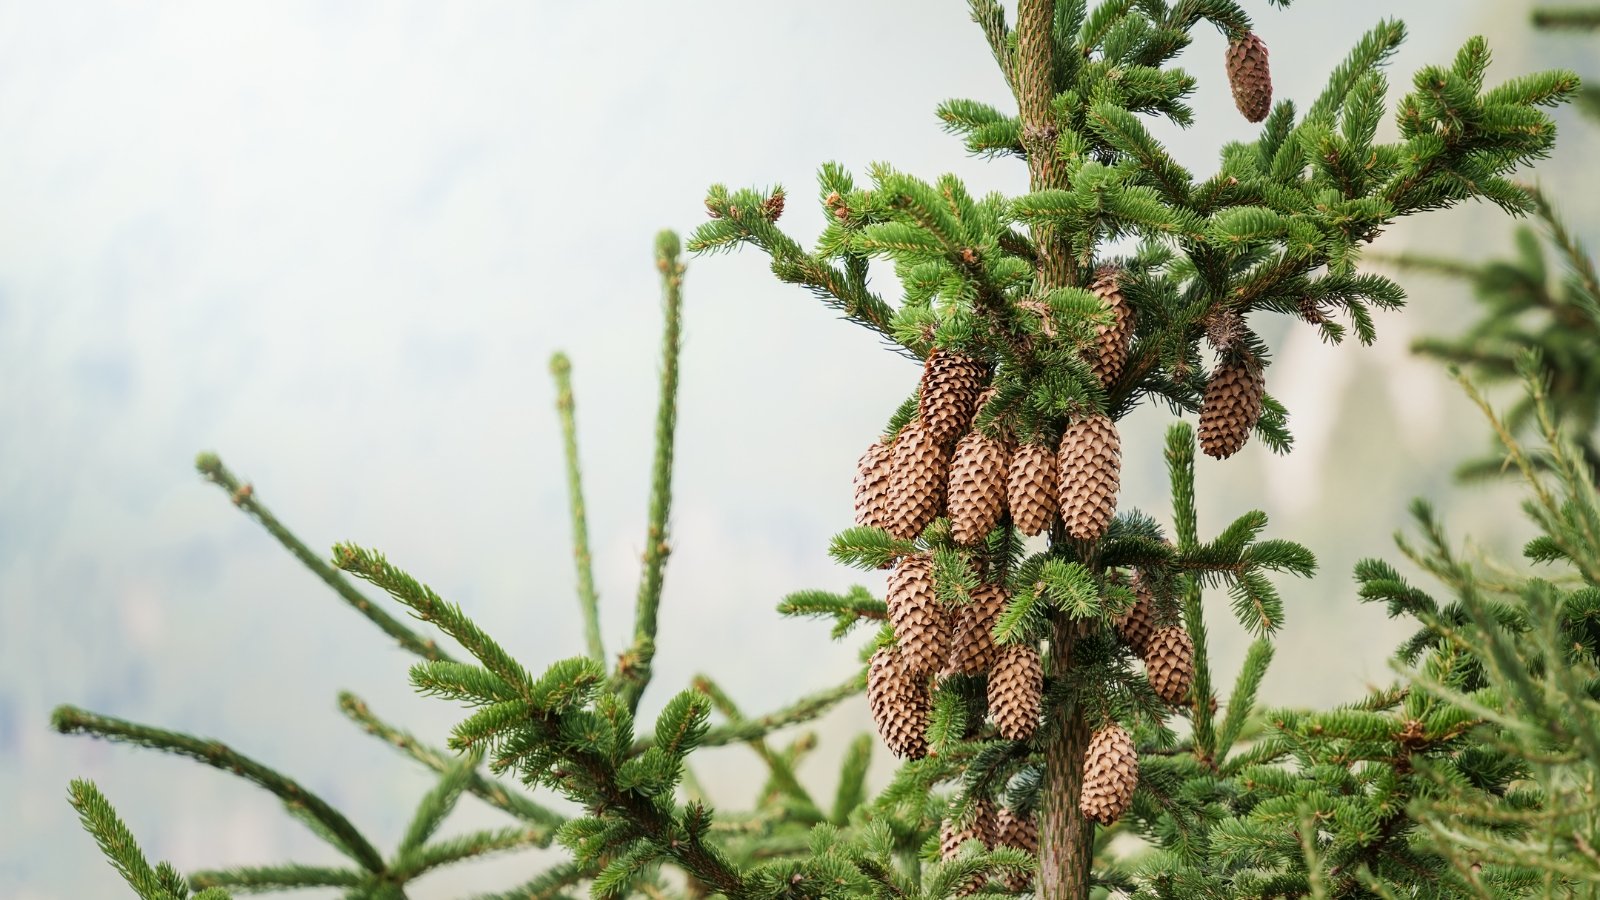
244, 496
588, 599
329, 823
634, 667
486, 789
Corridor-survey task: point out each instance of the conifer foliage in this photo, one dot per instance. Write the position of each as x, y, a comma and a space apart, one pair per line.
1007, 676
1526, 302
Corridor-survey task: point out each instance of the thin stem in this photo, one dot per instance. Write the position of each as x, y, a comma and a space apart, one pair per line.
588, 600
244, 497
337, 829
633, 669
1573, 18
803, 710
783, 776
486, 789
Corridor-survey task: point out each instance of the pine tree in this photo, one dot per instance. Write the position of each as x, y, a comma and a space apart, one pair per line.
998, 293
1278, 229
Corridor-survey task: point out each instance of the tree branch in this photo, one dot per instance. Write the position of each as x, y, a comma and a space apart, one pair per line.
588, 600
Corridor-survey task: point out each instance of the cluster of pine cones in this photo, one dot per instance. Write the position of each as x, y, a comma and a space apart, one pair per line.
939, 464
1111, 767
1005, 828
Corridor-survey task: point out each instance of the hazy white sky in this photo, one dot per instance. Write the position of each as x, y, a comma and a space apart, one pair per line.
337, 242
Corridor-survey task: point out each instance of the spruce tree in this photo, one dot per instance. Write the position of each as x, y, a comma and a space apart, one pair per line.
1034, 689
1129, 264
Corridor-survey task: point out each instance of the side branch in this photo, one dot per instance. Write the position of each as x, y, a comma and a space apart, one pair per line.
803, 710
588, 600
486, 789
71, 720
633, 669
245, 498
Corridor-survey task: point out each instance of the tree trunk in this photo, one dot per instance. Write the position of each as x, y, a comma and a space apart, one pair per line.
1065, 835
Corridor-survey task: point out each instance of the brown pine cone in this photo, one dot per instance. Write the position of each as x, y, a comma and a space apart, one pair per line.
1020, 832
1088, 476
950, 386
1231, 406
977, 487
1111, 341
1169, 663
772, 207
917, 467
973, 650
900, 703
1250, 77
1110, 773
921, 623
1137, 624
979, 827
1031, 488
872, 486
1016, 685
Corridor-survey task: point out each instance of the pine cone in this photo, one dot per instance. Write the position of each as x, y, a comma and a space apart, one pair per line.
1250, 77
1231, 407
950, 386
1031, 488
1090, 464
921, 623
872, 486
899, 703
1112, 341
980, 827
973, 650
1137, 624
917, 467
772, 207
1110, 773
977, 487
1016, 684
1169, 663
1012, 830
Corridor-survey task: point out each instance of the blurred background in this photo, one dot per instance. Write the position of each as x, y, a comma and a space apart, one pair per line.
337, 243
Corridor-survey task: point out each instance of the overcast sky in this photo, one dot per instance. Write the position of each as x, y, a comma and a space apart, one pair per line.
337, 243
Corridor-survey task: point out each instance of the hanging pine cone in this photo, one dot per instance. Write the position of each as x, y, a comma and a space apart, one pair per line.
1031, 488
1111, 340
1250, 77
872, 486
950, 386
979, 827
1110, 773
899, 703
1137, 624
977, 487
1021, 833
1088, 476
973, 650
1231, 407
1169, 663
917, 467
1016, 684
921, 623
